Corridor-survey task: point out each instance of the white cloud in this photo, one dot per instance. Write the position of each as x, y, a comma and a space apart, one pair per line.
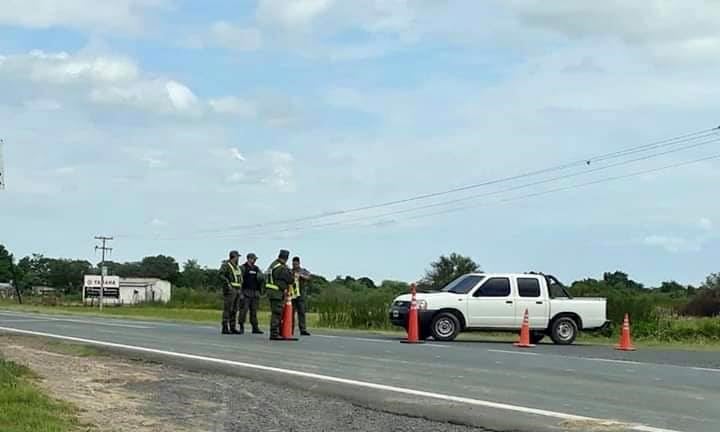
233, 105
227, 35
42, 105
670, 29
236, 154
271, 168
293, 13
156, 222
125, 16
100, 78
63, 68
65, 170
705, 224
673, 244
181, 97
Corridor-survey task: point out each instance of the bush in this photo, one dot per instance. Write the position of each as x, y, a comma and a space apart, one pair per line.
705, 304
342, 308
194, 299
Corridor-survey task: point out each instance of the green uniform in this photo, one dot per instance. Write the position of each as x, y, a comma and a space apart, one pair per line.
232, 277
298, 300
279, 279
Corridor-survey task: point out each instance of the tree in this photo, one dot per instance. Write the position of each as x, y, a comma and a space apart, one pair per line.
193, 276
707, 301
6, 265
160, 266
621, 280
446, 269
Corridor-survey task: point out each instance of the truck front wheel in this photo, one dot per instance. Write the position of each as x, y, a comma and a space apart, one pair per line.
564, 330
445, 327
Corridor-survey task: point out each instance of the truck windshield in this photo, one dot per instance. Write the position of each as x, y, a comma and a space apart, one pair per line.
463, 284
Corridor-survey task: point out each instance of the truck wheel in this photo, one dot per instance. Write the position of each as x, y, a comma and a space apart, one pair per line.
564, 331
536, 337
445, 327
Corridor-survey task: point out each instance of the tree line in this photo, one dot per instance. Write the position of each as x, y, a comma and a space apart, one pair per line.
623, 293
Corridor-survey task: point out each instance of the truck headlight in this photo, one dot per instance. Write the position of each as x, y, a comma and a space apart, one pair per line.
422, 304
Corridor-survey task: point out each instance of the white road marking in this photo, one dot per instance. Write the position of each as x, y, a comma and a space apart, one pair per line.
513, 352
3, 320
96, 322
705, 369
364, 384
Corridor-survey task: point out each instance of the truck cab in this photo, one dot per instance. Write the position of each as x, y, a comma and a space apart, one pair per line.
497, 302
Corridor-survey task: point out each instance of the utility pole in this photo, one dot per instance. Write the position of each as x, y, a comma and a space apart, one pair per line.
103, 270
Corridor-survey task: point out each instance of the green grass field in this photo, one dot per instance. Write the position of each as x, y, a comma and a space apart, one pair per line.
212, 317
24, 408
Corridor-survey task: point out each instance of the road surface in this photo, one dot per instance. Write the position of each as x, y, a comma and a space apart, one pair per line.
491, 385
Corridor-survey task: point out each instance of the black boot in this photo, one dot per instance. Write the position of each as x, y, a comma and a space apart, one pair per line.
234, 330
304, 333
225, 328
257, 331
242, 329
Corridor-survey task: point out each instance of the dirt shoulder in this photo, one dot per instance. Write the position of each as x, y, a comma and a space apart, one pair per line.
122, 395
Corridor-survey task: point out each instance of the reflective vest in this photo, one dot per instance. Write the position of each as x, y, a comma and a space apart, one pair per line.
270, 279
237, 276
295, 288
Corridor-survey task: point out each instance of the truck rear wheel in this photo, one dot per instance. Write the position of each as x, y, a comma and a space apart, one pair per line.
445, 327
564, 330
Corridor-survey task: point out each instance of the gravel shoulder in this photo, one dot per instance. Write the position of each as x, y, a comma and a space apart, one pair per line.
123, 395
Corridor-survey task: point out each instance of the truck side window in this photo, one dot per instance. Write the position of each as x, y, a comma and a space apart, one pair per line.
528, 287
494, 287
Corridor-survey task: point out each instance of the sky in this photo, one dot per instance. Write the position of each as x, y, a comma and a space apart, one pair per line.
192, 128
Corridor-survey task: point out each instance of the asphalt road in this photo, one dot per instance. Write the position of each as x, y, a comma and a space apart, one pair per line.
490, 385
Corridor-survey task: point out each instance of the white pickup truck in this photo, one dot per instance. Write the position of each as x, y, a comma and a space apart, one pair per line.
497, 302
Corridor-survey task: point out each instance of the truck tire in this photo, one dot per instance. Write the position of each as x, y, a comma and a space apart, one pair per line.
536, 337
564, 330
445, 327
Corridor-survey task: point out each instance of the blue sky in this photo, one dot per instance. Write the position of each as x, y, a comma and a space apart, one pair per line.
168, 124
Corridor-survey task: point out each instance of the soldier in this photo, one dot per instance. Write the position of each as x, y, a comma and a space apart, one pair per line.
302, 277
279, 280
251, 290
232, 277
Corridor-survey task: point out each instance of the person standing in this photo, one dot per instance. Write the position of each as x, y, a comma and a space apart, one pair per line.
232, 277
279, 280
251, 289
301, 279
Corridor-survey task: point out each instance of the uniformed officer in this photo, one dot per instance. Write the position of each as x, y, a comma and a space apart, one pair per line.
253, 281
279, 280
232, 277
302, 277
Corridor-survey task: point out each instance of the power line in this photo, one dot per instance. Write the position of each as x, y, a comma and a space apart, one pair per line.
521, 197
689, 137
517, 187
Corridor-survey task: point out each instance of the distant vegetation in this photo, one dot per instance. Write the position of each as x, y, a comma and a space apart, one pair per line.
669, 312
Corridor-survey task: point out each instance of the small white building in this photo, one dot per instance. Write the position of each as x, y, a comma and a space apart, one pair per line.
6, 290
127, 291
141, 290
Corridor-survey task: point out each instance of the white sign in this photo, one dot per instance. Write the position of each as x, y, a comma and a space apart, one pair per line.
94, 281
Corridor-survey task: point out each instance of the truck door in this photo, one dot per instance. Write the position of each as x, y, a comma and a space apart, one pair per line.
491, 304
533, 297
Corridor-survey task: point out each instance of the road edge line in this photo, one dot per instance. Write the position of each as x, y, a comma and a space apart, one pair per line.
346, 381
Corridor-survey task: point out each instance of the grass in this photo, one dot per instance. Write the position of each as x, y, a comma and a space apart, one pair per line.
24, 408
202, 316
212, 317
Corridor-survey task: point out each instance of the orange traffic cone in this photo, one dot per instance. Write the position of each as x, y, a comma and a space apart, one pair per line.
286, 322
413, 330
625, 342
524, 341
